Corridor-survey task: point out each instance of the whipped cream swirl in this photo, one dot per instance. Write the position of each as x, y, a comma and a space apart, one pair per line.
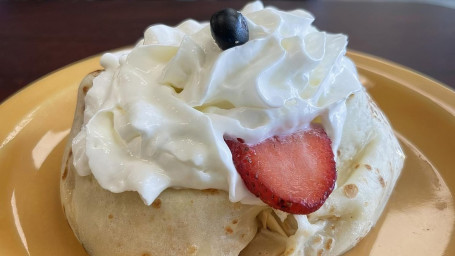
157, 116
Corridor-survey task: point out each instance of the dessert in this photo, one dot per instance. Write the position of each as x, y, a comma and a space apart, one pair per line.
172, 146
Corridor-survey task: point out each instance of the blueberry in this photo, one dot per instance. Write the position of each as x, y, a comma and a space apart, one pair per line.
229, 28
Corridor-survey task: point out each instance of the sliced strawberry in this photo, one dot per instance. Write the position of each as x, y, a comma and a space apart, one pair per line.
294, 173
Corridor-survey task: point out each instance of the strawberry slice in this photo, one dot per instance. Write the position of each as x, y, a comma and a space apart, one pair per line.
294, 173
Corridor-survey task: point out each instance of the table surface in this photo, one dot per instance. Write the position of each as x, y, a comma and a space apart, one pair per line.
38, 38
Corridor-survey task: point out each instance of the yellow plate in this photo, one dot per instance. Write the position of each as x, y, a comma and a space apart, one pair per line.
419, 218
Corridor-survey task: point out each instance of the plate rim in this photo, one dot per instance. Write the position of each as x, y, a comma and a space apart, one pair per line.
431, 88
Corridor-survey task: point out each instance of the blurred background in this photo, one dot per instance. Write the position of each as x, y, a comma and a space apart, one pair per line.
39, 37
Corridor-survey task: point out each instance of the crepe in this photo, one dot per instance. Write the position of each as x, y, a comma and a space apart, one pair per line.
204, 222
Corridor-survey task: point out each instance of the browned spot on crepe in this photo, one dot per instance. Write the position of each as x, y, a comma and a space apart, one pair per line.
157, 203
146, 254
235, 221
192, 249
356, 166
368, 166
328, 244
110, 216
65, 173
350, 190
96, 72
441, 205
381, 180
85, 89
211, 191
338, 152
228, 230
320, 252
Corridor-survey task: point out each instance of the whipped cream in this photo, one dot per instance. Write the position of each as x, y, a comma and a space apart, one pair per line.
157, 116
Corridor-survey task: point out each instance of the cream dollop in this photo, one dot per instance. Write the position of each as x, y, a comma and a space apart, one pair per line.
157, 116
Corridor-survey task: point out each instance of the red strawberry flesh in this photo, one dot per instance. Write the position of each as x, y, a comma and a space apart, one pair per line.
294, 173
